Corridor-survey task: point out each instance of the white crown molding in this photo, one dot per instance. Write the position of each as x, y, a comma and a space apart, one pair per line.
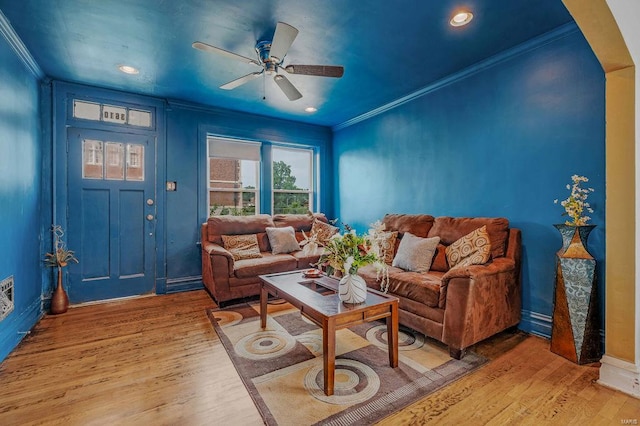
620, 375
534, 43
10, 35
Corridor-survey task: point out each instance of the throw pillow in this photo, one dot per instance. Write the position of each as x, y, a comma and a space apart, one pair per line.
440, 259
472, 249
242, 246
323, 231
415, 253
282, 240
387, 243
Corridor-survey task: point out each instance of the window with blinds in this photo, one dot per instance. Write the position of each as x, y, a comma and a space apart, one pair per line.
234, 177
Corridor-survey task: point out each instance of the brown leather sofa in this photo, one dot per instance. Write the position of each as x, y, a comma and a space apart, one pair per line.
226, 278
459, 306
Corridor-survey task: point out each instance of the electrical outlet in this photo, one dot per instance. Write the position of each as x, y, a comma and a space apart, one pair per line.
6, 297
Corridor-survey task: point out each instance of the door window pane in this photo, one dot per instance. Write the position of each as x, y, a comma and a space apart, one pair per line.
139, 118
135, 162
113, 114
91, 159
86, 110
114, 169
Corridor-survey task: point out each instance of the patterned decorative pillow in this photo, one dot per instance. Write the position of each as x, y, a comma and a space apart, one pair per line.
472, 249
387, 244
323, 231
242, 246
282, 240
415, 253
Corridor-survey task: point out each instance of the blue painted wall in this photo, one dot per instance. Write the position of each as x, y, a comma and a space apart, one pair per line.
501, 141
186, 163
20, 183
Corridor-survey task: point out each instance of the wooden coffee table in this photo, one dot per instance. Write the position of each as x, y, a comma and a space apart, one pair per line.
317, 299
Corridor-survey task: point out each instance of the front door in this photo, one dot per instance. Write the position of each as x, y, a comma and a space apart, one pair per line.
110, 214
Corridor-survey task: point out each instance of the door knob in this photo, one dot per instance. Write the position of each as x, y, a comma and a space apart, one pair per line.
149, 217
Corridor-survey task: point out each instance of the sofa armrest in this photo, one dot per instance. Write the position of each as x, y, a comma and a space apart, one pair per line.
501, 264
481, 300
216, 250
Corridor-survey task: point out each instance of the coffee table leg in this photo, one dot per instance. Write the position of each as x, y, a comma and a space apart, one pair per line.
329, 355
392, 335
264, 295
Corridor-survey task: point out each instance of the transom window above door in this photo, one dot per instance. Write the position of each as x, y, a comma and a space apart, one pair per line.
112, 114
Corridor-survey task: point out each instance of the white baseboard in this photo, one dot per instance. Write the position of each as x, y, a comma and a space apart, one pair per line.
620, 375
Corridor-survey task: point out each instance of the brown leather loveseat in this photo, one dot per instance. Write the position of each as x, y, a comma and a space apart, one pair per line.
226, 278
458, 306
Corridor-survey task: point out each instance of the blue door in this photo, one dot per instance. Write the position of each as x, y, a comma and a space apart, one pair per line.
110, 214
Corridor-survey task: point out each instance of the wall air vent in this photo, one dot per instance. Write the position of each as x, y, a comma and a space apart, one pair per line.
6, 297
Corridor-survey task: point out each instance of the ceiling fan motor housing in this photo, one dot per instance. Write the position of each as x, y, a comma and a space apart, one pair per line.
263, 48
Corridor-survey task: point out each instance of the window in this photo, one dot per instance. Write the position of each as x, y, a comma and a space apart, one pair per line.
114, 168
111, 114
234, 177
292, 170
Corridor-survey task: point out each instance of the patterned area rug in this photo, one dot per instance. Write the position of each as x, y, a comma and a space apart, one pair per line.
282, 367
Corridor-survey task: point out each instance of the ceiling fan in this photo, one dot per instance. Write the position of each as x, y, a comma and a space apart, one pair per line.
270, 58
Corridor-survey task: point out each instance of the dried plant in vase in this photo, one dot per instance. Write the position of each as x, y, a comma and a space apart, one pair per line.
59, 258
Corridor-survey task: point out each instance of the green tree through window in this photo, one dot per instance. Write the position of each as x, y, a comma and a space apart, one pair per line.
287, 202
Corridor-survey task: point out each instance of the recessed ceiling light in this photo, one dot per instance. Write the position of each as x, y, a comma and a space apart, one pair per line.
461, 18
127, 69
311, 109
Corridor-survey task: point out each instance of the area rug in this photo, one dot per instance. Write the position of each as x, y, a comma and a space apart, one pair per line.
281, 367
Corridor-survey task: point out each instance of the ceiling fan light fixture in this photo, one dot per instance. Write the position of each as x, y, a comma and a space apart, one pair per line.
461, 18
128, 69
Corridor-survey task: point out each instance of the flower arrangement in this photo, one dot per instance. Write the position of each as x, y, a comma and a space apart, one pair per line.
576, 204
347, 252
61, 255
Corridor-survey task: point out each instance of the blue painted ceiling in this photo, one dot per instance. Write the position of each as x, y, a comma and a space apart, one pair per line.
389, 48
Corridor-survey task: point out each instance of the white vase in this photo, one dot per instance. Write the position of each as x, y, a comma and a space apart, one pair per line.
352, 289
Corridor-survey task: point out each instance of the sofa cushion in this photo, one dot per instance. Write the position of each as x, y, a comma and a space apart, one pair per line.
236, 225
299, 222
267, 264
471, 249
450, 229
282, 240
242, 246
417, 224
423, 288
415, 253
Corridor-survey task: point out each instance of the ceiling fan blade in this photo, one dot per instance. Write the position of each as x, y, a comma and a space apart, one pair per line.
240, 81
282, 40
285, 85
208, 48
317, 70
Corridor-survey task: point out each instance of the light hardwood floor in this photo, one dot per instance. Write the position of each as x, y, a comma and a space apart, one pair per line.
157, 360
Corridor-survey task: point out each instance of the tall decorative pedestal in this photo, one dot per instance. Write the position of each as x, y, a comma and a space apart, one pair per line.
574, 334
